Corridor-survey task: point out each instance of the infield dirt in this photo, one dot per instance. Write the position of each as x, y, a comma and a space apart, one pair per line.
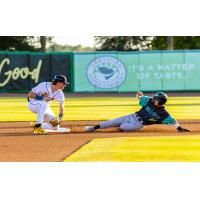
17, 142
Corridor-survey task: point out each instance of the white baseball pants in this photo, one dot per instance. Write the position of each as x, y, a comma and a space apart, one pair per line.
44, 113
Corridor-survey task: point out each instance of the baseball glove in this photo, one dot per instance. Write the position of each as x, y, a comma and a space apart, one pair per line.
55, 122
45, 94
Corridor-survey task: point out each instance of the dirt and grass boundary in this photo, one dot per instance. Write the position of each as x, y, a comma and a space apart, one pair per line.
18, 143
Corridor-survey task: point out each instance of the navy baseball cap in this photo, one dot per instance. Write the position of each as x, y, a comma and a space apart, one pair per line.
61, 78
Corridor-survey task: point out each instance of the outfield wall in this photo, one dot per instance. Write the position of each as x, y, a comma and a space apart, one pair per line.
103, 71
20, 71
133, 71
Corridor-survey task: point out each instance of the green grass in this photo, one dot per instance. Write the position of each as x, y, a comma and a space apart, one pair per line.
140, 149
98, 108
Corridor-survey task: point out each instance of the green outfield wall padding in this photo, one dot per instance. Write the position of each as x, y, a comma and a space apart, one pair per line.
133, 71
107, 71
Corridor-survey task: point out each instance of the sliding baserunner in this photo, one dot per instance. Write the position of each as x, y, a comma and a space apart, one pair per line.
152, 112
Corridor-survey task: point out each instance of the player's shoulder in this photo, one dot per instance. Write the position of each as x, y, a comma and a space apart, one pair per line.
39, 85
48, 84
43, 83
146, 98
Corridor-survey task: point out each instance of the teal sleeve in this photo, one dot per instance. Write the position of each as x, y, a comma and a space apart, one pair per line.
169, 120
144, 100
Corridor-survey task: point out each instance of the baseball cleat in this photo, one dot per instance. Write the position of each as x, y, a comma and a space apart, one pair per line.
89, 128
39, 131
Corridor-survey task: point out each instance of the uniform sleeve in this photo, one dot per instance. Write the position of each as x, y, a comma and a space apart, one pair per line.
144, 100
37, 89
60, 97
169, 120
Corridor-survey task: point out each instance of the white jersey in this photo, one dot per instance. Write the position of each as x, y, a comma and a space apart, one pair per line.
45, 88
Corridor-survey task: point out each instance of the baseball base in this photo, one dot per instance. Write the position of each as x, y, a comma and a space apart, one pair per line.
59, 130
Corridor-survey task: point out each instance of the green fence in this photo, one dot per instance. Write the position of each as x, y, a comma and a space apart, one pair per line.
103, 71
133, 71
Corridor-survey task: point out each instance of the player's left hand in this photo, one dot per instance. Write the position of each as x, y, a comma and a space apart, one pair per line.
139, 94
180, 129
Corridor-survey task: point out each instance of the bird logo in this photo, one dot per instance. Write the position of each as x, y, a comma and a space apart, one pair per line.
107, 73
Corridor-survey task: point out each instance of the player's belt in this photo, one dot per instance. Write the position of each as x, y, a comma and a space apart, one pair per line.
139, 119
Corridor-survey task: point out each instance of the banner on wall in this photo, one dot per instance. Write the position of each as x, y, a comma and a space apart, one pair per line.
130, 72
22, 71
103, 71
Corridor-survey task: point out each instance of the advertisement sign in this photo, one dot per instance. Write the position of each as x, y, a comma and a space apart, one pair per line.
21, 71
133, 71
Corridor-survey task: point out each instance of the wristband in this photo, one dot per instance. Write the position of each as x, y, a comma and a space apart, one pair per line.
39, 97
60, 116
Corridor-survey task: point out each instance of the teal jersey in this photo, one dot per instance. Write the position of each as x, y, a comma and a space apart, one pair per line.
144, 100
151, 114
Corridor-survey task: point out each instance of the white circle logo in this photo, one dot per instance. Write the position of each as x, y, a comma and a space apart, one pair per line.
106, 72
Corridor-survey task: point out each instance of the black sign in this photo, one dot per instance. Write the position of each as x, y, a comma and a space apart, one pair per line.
21, 71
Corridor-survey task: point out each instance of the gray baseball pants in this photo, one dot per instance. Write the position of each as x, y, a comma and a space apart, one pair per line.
126, 123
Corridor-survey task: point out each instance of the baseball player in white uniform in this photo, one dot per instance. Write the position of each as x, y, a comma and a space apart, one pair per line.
40, 99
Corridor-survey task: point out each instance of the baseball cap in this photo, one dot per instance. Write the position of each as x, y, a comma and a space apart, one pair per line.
61, 78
